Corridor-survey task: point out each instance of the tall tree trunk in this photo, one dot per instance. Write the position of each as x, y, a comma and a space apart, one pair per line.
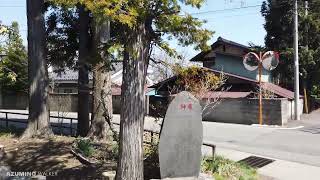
83, 78
130, 164
102, 94
102, 103
38, 121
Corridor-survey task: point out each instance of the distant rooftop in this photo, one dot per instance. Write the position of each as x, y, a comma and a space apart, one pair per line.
72, 75
282, 92
208, 55
221, 40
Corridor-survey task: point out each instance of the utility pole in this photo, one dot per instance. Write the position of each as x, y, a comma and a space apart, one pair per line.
306, 6
296, 63
307, 48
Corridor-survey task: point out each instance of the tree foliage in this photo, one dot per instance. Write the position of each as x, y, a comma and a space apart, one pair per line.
279, 26
163, 19
14, 65
199, 81
62, 28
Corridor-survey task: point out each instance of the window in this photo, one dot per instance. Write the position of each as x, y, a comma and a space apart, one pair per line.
68, 91
208, 64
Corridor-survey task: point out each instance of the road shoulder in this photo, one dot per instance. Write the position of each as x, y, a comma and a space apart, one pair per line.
279, 169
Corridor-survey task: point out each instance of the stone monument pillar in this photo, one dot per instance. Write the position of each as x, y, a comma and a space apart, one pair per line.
181, 138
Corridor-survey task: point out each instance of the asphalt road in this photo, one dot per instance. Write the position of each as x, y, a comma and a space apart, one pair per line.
290, 143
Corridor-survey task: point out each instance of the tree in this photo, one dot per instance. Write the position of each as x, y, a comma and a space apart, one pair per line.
136, 59
139, 38
201, 82
102, 95
279, 25
130, 163
13, 66
69, 38
63, 38
38, 121
62, 28
144, 24
83, 77
162, 64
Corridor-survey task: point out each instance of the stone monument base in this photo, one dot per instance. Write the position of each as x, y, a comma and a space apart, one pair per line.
180, 178
201, 177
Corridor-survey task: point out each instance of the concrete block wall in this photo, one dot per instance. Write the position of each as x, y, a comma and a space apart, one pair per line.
288, 109
64, 102
58, 102
246, 111
14, 101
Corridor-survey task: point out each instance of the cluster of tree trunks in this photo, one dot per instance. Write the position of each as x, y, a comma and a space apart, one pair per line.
130, 164
136, 37
39, 121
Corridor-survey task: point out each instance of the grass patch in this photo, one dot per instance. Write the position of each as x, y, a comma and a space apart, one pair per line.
11, 131
151, 162
4, 132
222, 169
84, 145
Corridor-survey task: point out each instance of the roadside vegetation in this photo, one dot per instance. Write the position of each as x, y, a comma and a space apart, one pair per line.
222, 169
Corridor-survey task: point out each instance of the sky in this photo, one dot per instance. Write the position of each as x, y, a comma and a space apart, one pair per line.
242, 24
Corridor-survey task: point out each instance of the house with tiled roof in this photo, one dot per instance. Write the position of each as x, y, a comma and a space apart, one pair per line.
65, 84
239, 104
227, 56
67, 81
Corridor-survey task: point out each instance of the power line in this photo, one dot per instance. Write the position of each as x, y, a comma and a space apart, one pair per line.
230, 16
12, 6
223, 10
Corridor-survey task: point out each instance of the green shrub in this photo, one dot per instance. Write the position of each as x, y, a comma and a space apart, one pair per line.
223, 168
151, 155
84, 145
114, 150
315, 91
5, 132
151, 162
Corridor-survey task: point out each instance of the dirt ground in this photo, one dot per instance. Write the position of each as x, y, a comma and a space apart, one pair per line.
54, 156
51, 155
